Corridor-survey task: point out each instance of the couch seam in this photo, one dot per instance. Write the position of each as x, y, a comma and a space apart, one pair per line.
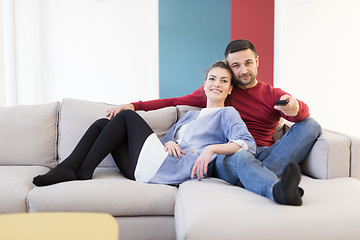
58, 132
179, 196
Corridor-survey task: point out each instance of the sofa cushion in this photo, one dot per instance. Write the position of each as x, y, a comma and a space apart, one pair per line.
28, 134
15, 183
213, 209
107, 192
77, 115
151, 227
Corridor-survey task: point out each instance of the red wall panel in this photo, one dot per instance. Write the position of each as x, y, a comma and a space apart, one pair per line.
254, 20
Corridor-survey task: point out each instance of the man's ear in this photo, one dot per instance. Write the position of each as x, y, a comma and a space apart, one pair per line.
257, 61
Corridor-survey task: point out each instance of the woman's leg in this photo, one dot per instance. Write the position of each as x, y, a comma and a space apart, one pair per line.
126, 129
124, 135
66, 170
122, 160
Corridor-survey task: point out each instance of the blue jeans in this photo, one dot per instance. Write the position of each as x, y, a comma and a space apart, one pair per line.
259, 173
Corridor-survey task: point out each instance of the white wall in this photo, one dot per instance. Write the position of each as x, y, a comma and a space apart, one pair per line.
107, 50
99, 50
2, 76
102, 50
317, 55
27, 49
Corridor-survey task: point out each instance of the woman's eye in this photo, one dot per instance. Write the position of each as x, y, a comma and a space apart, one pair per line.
224, 81
211, 79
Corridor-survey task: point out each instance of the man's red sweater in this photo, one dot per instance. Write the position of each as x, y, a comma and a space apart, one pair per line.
255, 105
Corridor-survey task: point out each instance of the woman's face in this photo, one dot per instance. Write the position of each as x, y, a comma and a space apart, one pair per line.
217, 85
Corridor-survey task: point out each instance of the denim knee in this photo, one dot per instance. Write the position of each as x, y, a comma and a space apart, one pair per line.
313, 126
227, 167
235, 161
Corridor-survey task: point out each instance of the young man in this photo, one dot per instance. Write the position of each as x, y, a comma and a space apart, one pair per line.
256, 103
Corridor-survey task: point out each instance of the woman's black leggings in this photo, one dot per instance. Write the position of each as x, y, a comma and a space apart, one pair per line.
123, 137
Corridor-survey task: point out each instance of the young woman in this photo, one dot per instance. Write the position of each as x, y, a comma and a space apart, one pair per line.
185, 152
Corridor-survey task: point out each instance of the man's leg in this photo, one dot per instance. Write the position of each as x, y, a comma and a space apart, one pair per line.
242, 167
245, 168
295, 145
286, 191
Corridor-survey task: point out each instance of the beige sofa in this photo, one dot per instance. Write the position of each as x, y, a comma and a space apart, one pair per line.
34, 138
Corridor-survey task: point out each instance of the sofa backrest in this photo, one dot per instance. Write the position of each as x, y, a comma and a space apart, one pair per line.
41, 134
182, 109
28, 135
77, 115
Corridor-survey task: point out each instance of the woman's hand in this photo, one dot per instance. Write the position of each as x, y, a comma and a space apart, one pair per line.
115, 110
201, 164
173, 149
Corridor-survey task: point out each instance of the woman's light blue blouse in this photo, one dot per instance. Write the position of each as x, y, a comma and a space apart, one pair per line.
217, 127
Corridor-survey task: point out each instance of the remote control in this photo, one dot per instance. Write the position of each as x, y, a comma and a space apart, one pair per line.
281, 102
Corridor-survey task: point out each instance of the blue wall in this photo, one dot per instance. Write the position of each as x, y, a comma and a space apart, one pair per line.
192, 35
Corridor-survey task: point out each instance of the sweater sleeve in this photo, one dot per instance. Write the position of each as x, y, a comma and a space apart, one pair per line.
302, 114
196, 98
238, 132
303, 108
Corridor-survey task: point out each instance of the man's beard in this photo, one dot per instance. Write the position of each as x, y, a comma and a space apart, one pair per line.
248, 81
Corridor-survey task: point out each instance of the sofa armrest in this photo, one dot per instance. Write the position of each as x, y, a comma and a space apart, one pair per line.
330, 157
354, 154
355, 157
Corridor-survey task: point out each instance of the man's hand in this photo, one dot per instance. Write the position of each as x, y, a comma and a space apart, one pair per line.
173, 149
201, 164
291, 109
115, 110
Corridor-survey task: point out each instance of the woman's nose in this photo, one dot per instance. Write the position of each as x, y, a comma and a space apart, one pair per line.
217, 83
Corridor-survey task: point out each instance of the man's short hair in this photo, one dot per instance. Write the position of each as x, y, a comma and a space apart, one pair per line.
239, 45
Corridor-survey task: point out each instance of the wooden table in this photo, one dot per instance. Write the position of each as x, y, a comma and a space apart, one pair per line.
58, 226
